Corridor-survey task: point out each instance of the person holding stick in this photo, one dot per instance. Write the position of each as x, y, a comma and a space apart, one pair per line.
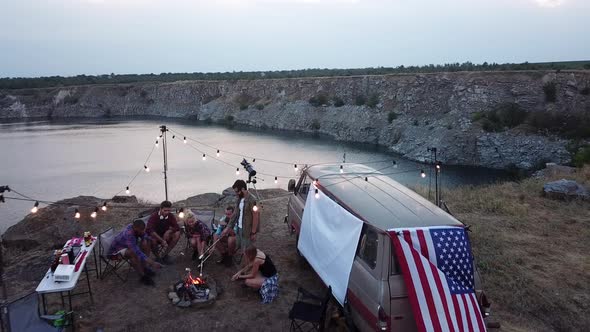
259, 273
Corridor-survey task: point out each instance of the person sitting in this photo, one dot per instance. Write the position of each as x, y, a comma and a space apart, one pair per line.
163, 230
226, 245
259, 273
126, 244
198, 233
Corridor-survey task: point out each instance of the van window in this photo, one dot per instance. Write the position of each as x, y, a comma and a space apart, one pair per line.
367, 248
303, 188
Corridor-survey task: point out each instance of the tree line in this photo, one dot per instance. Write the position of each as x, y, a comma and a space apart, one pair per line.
60, 81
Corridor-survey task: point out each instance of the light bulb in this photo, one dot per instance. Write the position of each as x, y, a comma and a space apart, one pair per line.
127, 191
157, 143
422, 174
317, 193
295, 167
366, 179
184, 140
173, 136
181, 213
35, 208
394, 164
218, 153
147, 169
77, 214
157, 138
276, 180
93, 214
237, 171
104, 206
341, 169
315, 183
204, 157
255, 208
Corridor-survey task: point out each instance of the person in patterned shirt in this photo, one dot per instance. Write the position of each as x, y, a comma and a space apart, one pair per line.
198, 233
133, 244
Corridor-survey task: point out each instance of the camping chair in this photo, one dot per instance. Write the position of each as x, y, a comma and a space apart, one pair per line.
206, 216
307, 313
112, 262
23, 316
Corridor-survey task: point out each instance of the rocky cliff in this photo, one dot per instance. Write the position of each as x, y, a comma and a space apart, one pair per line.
405, 113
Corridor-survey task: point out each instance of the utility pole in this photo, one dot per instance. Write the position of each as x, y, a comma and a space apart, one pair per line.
164, 149
436, 170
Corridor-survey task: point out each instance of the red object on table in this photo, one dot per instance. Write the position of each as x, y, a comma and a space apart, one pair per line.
80, 260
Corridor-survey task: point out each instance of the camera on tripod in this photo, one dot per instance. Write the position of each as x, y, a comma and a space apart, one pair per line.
251, 171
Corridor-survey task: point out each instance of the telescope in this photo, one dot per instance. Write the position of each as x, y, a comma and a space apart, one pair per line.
250, 169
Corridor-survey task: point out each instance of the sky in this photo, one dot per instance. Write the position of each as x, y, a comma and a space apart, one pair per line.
72, 37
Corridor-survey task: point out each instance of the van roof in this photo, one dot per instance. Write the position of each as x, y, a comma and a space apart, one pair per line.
380, 201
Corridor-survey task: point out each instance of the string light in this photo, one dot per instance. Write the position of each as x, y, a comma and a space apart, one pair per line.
438, 166
317, 193
366, 179
255, 207
147, 169
217, 153
104, 206
173, 136
184, 140
295, 167
35, 208
77, 214
254, 160
157, 138
93, 214
127, 190
394, 164
204, 157
315, 183
276, 180
181, 213
237, 171
422, 174
157, 143
341, 169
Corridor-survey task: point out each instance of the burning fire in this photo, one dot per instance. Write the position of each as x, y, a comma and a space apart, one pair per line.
195, 281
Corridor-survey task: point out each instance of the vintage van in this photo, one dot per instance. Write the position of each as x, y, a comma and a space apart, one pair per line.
376, 297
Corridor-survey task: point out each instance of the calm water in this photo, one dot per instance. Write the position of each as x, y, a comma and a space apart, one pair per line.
55, 160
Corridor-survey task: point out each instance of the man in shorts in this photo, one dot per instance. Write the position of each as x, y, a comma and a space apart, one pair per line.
133, 244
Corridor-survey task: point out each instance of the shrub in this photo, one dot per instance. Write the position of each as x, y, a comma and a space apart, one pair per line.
505, 115
582, 156
338, 102
319, 100
373, 101
259, 107
360, 100
391, 116
244, 100
477, 116
572, 125
315, 124
550, 90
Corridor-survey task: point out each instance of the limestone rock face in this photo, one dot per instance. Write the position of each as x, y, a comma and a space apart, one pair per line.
565, 189
413, 112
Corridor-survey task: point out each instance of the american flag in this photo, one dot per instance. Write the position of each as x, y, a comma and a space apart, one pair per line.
438, 271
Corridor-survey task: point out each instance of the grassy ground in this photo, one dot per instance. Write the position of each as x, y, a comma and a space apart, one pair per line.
531, 251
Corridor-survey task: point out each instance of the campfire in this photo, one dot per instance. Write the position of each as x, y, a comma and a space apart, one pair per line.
193, 290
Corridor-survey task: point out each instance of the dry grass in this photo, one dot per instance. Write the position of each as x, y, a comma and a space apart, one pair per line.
531, 251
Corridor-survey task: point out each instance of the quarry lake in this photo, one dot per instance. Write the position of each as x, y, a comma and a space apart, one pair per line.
53, 160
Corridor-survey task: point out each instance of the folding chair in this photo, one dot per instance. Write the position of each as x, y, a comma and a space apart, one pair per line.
309, 313
112, 262
23, 316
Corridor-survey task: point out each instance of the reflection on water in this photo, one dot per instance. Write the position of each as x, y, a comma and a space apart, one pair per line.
56, 160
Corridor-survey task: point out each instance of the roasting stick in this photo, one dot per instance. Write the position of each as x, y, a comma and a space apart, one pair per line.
207, 252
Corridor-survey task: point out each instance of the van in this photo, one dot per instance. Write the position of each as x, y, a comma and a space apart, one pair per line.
376, 297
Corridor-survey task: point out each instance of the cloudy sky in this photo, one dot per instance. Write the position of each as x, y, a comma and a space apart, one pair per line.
70, 37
